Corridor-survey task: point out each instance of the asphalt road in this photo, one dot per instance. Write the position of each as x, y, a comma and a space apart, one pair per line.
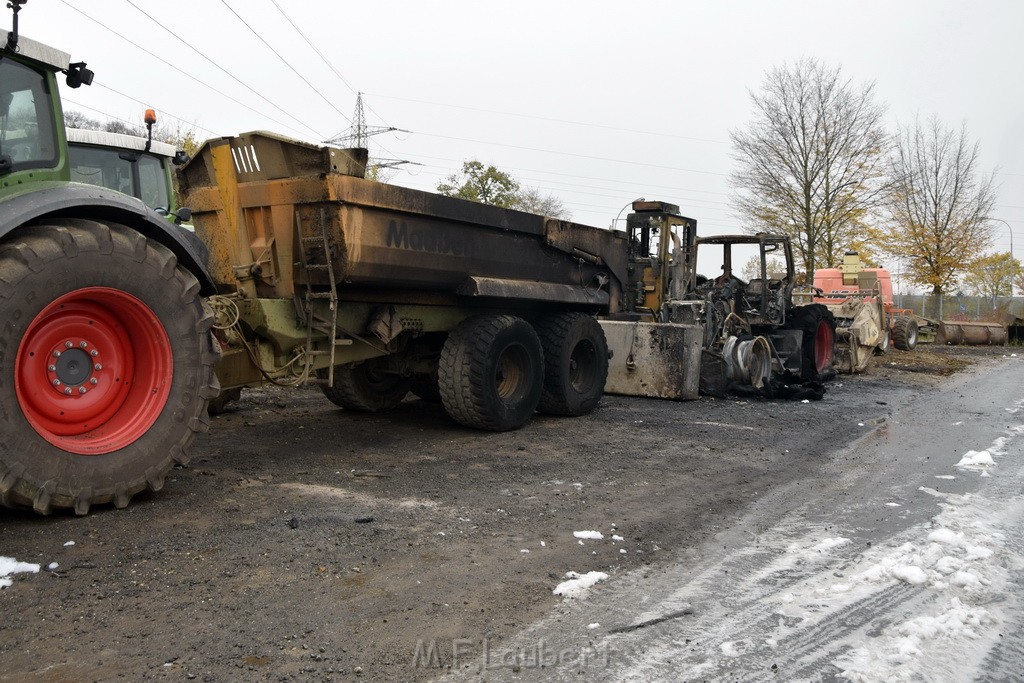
892, 563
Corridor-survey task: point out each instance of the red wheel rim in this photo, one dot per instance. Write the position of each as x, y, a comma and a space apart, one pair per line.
824, 340
93, 371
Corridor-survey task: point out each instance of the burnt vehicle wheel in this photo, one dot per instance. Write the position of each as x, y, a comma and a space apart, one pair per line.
491, 372
366, 387
904, 333
575, 363
106, 365
886, 343
818, 342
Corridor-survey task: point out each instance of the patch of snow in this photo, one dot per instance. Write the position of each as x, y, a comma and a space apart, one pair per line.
976, 459
944, 476
622, 551
52, 566
910, 574
69, 544
9, 565
524, 551
729, 649
577, 584
593, 626
617, 538
893, 505
829, 544
591, 535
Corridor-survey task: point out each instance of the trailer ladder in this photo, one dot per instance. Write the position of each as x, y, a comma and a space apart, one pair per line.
307, 304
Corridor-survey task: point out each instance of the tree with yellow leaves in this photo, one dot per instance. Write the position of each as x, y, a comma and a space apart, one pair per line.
992, 275
937, 206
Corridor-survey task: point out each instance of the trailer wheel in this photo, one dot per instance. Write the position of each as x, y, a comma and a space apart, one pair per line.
575, 363
365, 387
106, 365
491, 372
819, 339
904, 333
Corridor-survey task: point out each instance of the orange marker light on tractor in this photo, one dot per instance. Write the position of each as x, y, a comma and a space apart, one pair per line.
150, 117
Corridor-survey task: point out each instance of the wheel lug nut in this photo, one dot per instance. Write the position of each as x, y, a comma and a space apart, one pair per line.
52, 368
94, 381
56, 382
68, 345
94, 353
98, 366
83, 344
56, 354
82, 390
67, 390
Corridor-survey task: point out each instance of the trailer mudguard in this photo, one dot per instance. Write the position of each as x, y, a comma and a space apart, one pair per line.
78, 200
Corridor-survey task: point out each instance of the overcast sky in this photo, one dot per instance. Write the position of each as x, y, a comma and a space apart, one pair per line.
595, 102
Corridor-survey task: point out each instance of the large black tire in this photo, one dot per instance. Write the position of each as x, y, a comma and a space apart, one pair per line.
491, 372
365, 388
575, 363
904, 333
818, 345
106, 365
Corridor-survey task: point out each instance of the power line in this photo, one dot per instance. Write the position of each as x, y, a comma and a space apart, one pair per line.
225, 71
573, 154
286, 62
331, 66
162, 111
551, 120
179, 70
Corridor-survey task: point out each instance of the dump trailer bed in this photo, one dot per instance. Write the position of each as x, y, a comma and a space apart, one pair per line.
252, 196
379, 289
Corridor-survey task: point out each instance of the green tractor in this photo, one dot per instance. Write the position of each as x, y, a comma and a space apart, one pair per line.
106, 356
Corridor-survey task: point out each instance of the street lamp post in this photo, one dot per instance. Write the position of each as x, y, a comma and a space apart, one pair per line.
1013, 263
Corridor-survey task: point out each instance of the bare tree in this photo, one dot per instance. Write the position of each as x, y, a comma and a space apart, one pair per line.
937, 205
533, 201
812, 164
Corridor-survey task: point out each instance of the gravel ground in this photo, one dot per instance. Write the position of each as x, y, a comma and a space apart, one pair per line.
307, 543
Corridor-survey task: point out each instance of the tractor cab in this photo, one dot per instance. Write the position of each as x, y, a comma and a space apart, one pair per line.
32, 142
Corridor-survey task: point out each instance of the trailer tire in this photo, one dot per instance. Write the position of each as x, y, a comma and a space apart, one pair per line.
106, 365
904, 333
575, 363
818, 325
365, 388
491, 372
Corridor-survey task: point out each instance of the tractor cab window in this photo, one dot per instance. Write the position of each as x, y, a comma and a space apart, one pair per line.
137, 174
99, 166
153, 182
27, 135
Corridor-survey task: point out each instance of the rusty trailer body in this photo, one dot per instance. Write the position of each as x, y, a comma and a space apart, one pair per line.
377, 289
